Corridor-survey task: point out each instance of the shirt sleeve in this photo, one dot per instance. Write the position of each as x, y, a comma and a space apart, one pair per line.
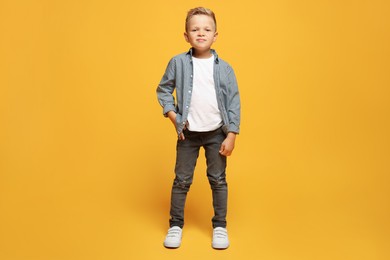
234, 104
166, 88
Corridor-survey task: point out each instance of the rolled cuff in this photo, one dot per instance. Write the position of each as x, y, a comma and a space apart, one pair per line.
167, 108
233, 128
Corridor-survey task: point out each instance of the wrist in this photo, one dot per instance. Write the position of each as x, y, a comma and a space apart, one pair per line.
231, 135
171, 115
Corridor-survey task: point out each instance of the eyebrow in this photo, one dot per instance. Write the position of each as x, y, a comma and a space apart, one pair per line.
197, 27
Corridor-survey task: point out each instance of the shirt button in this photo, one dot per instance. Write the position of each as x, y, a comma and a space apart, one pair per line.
191, 76
189, 91
184, 123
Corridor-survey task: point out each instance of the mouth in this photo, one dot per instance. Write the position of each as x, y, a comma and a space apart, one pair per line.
200, 40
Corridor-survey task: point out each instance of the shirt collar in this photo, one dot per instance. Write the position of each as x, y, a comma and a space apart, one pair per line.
216, 59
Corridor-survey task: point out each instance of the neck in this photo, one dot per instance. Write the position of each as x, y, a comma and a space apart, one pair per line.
202, 54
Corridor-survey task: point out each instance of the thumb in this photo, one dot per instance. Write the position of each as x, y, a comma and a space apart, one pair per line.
222, 148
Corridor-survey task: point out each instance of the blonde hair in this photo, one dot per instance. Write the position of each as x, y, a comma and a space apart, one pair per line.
199, 11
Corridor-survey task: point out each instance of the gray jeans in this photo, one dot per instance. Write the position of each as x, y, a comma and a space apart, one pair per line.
187, 152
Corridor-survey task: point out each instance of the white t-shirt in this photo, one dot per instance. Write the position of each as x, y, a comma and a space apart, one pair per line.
204, 114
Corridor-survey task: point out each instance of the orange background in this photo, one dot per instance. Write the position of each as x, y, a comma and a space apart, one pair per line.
86, 157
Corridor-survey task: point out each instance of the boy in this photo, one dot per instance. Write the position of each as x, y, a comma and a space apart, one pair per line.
207, 114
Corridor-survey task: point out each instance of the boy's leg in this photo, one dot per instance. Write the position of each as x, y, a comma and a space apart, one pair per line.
187, 152
216, 173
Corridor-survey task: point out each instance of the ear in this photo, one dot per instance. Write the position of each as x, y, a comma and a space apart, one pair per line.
186, 37
215, 36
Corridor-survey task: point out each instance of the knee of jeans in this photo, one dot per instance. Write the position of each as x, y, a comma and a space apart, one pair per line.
182, 184
217, 182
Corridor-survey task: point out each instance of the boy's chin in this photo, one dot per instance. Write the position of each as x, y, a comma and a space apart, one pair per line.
201, 49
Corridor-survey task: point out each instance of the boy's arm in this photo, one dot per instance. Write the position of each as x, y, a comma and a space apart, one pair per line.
234, 104
227, 145
166, 87
165, 94
172, 116
234, 112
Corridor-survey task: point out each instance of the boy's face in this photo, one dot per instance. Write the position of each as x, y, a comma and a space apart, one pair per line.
201, 32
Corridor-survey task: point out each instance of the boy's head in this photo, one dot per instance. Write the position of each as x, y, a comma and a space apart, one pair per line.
200, 11
201, 29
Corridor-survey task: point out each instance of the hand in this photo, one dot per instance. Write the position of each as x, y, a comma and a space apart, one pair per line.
172, 117
227, 145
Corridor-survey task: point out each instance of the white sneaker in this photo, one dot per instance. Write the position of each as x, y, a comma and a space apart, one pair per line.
220, 238
173, 238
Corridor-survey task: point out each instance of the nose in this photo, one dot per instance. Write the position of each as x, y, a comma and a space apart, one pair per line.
201, 33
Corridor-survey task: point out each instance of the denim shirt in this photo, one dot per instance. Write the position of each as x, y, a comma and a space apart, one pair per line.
179, 75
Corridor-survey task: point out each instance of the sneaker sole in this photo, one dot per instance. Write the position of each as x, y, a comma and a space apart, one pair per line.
220, 246
172, 246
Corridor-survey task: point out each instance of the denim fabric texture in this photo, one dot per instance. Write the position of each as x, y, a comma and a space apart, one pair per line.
179, 76
187, 152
